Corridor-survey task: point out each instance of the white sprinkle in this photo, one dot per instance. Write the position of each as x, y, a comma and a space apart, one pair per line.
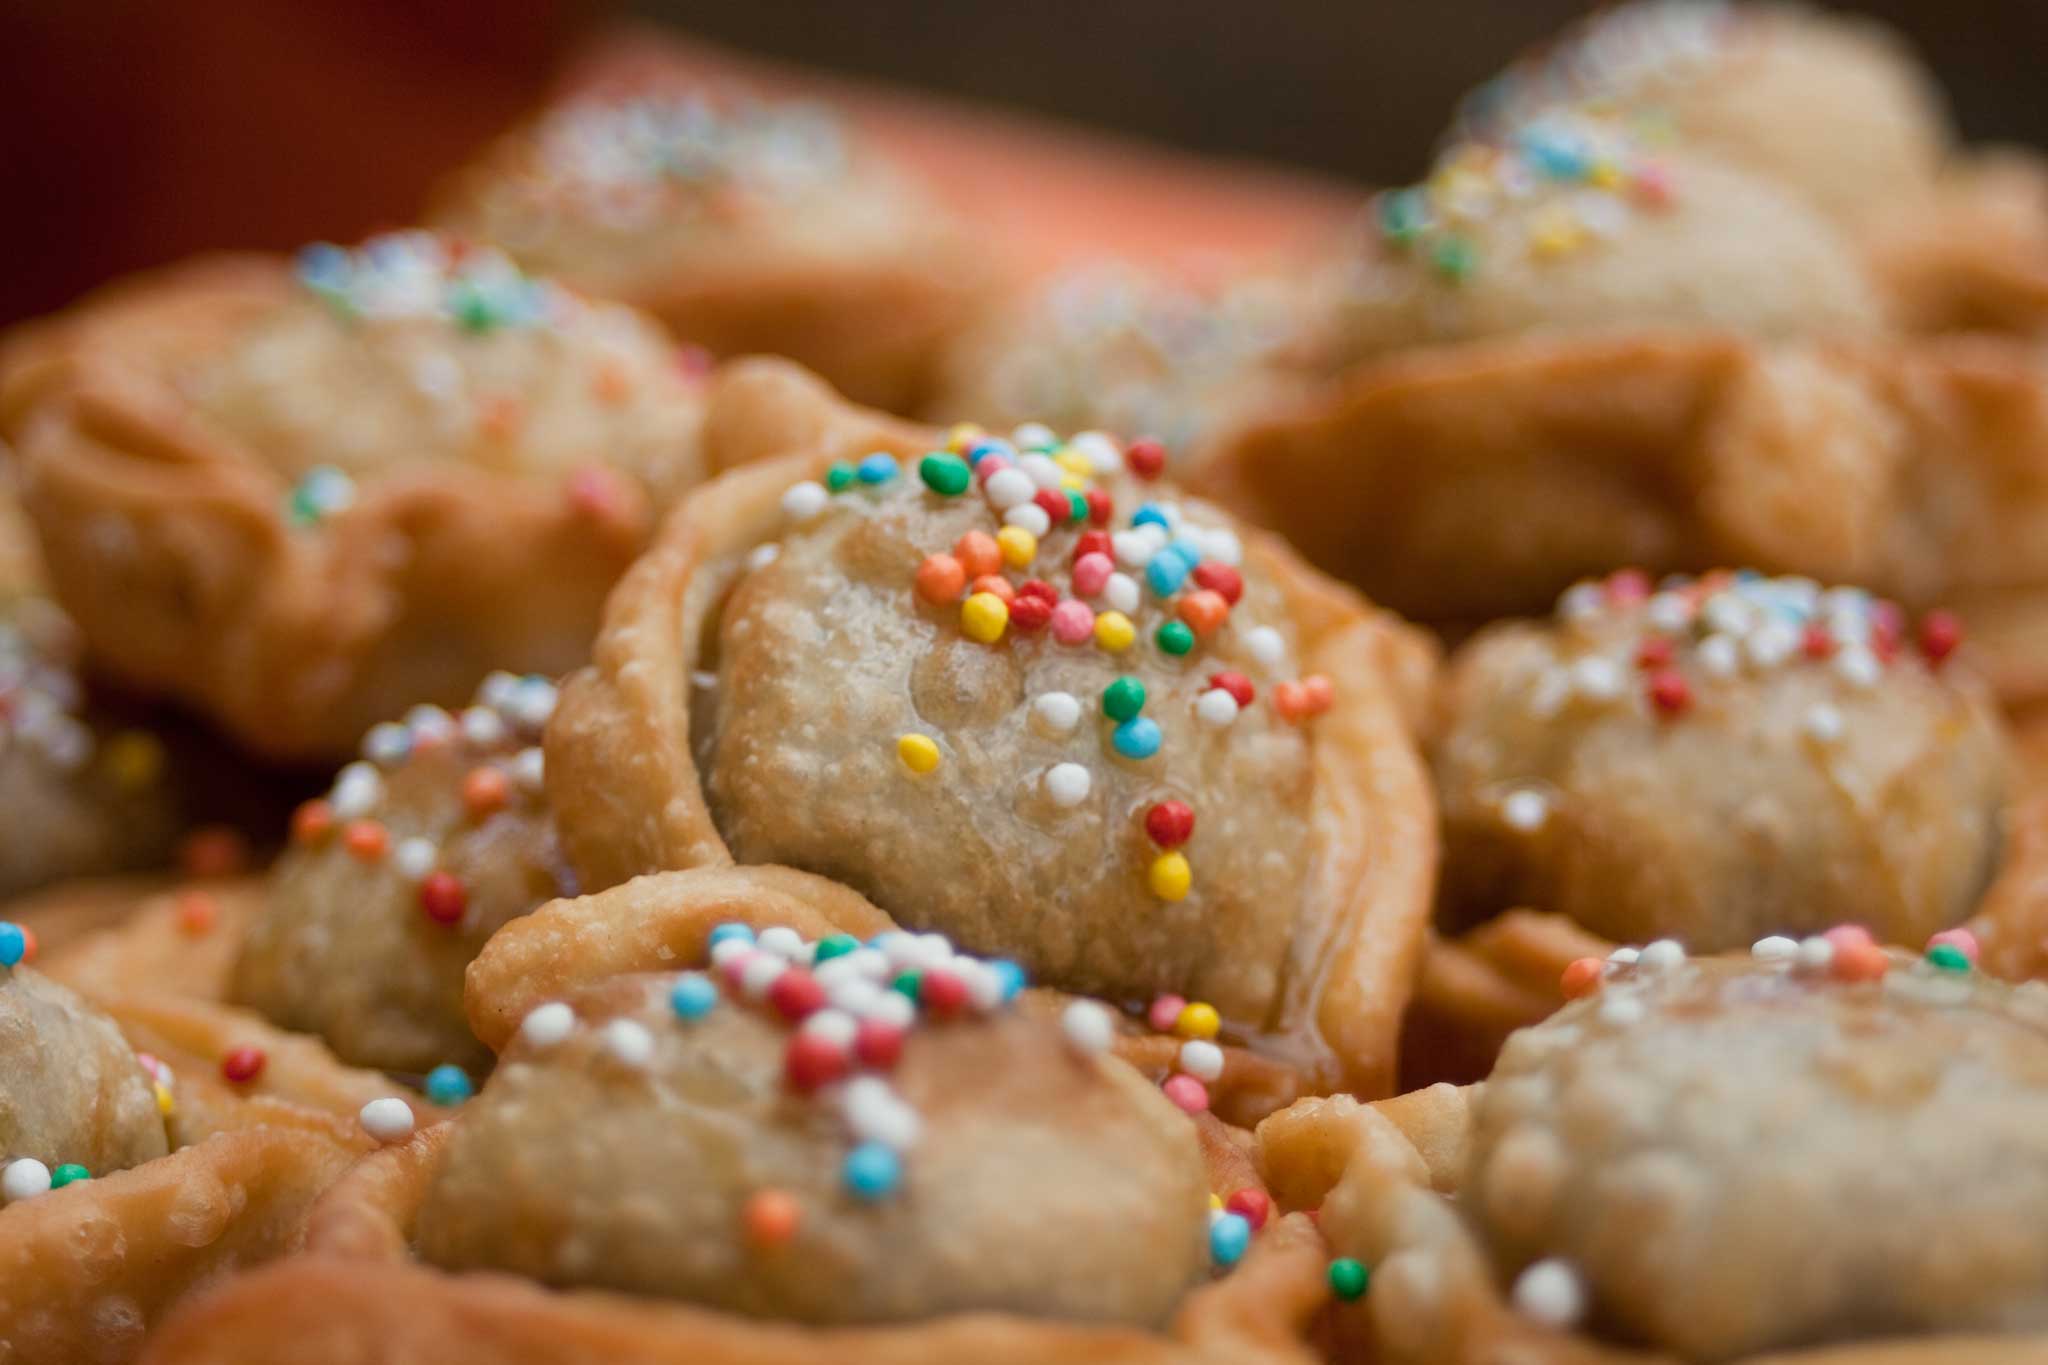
529, 768
1550, 1292
497, 689
1580, 603
1030, 516
1772, 643
356, 790
875, 1114
1597, 678
1216, 707
414, 858
804, 500
1728, 613
1548, 694
1120, 592
1088, 1027
1056, 712
1776, 948
533, 702
1667, 612
1816, 954
835, 1026
761, 556
783, 941
1624, 957
1620, 1010
24, 1179
1098, 450
851, 994
1067, 784
1041, 470
1823, 723
726, 952
1201, 1059
387, 744
547, 1025
1719, 656
761, 971
1130, 548
1029, 435
891, 1007
1858, 667
1663, 955
483, 727
1007, 488
1265, 646
1223, 546
984, 987
387, 1120
629, 1042
1525, 810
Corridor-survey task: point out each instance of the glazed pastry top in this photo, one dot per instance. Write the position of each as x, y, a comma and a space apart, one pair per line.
620, 195
438, 835
416, 348
1822, 1143
73, 1094
1717, 759
825, 1132
1083, 743
1578, 225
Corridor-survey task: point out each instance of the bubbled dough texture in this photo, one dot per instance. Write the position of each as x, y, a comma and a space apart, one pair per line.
343, 949
1729, 822
1764, 1161
1728, 252
1044, 1183
1836, 110
307, 387
825, 657
70, 1087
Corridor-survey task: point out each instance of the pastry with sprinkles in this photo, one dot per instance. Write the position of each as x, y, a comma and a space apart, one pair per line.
303, 496
1017, 689
791, 1144
424, 846
1663, 1171
745, 224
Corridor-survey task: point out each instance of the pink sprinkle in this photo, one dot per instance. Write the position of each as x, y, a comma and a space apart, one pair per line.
1165, 1013
1187, 1092
1091, 573
1848, 936
1073, 622
990, 466
1962, 940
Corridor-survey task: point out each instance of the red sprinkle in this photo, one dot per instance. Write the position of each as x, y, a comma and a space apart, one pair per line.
1582, 977
1653, 653
1100, 507
243, 1064
796, 994
366, 839
1626, 587
1038, 587
442, 898
311, 820
1236, 684
942, 994
197, 912
1029, 614
1220, 578
1252, 1205
1669, 693
214, 851
1817, 642
1055, 505
1146, 458
1169, 823
811, 1062
1094, 543
1940, 635
877, 1044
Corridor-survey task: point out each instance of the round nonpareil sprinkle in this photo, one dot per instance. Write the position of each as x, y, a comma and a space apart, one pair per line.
386, 1120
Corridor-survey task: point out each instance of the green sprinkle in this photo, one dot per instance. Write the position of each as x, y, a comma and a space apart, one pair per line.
906, 985
1454, 259
1123, 698
945, 474
839, 477
836, 945
66, 1174
1948, 957
1349, 1278
1403, 214
471, 310
1175, 637
1079, 506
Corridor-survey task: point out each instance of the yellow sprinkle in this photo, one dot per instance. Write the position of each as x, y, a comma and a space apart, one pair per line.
165, 1105
1114, 631
1018, 545
963, 435
1604, 174
1197, 1020
918, 752
134, 759
1216, 1202
1553, 233
1170, 879
984, 616
1074, 462
1074, 483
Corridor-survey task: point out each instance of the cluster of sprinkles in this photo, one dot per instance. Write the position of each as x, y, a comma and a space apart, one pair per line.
1570, 181
27, 1177
41, 704
1089, 593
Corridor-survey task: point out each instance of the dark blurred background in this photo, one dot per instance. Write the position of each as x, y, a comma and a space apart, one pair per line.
138, 131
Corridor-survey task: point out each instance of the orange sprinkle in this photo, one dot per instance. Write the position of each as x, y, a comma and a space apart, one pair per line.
501, 418
214, 851
28, 943
366, 839
197, 912
1859, 962
1204, 611
311, 821
1582, 977
611, 383
1318, 691
978, 554
485, 790
1290, 700
940, 579
771, 1218
997, 584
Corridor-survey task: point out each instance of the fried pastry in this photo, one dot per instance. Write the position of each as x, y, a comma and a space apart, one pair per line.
869, 1150
746, 225
1109, 746
1660, 1172
304, 498
425, 845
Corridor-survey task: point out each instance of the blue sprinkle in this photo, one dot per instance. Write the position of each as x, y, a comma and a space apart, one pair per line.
449, 1084
1009, 974
1187, 548
731, 931
872, 1171
1149, 514
13, 944
323, 265
981, 450
1165, 572
876, 468
693, 997
1137, 737
1229, 1235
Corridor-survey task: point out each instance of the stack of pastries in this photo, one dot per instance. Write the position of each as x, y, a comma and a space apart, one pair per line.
1472, 793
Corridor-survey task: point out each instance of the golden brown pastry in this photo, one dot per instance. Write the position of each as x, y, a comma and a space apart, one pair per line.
425, 845
303, 498
1832, 107
1094, 746
872, 1151
1667, 1170
746, 225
